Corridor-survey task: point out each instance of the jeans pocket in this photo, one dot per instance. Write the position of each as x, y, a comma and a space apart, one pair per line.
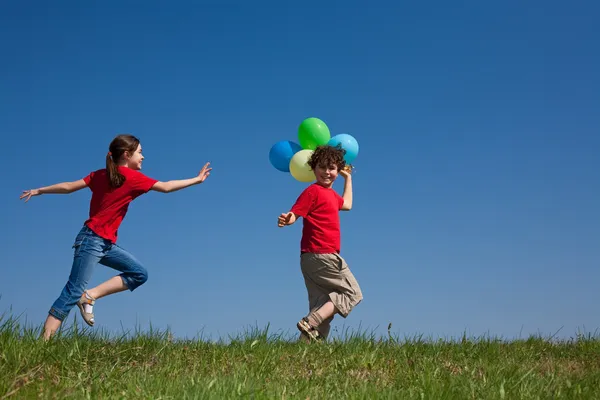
80, 241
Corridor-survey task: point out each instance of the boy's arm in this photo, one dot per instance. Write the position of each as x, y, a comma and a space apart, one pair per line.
58, 188
301, 208
347, 196
286, 219
175, 185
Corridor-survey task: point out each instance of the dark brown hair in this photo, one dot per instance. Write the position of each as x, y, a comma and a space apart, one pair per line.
116, 149
327, 156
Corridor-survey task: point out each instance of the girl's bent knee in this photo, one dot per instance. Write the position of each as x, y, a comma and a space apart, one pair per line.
142, 276
135, 279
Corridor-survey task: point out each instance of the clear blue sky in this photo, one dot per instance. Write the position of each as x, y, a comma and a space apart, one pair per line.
477, 188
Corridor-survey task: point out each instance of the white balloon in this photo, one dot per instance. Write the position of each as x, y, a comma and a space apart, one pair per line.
299, 167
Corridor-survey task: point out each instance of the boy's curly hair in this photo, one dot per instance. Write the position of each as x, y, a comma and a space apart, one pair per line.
328, 155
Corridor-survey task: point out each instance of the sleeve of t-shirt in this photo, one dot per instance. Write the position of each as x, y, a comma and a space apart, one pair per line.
88, 179
144, 183
304, 203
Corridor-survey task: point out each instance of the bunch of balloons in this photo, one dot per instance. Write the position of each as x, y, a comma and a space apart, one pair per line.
288, 156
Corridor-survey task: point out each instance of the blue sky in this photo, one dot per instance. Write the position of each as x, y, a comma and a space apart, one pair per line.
477, 182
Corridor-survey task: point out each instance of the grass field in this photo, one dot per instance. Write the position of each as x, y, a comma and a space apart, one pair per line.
151, 365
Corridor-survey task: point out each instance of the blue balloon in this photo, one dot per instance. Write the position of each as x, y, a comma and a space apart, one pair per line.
281, 154
348, 143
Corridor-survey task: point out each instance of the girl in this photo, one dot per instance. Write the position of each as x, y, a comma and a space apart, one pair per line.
112, 189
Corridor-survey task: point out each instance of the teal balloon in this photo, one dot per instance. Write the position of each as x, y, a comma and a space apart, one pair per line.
348, 143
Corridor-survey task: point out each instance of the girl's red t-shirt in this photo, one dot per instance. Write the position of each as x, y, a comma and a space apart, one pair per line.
108, 205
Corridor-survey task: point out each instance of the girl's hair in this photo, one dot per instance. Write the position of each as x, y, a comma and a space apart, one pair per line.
327, 156
117, 148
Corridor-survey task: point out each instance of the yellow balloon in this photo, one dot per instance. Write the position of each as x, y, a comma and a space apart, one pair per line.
299, 167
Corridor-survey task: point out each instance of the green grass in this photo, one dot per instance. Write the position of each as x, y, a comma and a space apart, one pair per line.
83, 364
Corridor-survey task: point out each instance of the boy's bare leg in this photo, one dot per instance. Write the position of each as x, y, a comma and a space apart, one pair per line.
324, 313
325, 327
317, 324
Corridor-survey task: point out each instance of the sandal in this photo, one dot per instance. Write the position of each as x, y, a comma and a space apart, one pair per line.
83, 300
308, 330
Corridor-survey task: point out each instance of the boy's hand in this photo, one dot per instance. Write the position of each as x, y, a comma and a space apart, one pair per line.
27, 194
286, 219
345, 173
204, 173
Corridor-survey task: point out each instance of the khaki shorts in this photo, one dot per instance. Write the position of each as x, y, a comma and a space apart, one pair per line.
327, 277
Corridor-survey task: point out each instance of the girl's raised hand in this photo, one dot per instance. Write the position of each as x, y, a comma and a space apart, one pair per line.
27, 194
204, 172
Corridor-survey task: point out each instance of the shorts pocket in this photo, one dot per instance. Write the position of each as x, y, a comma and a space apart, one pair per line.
319, 263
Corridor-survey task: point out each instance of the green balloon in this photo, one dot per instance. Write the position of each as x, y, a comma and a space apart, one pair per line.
313, 132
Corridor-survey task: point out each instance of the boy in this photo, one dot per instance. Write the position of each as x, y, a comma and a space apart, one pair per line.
332, 288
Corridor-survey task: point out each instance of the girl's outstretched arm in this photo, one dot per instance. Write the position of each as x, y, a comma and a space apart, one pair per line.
59, 188
172, 186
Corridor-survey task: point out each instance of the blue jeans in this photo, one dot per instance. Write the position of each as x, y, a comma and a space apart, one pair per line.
91, 249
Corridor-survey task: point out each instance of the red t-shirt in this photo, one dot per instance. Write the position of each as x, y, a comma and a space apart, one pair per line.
108, 205
319, 207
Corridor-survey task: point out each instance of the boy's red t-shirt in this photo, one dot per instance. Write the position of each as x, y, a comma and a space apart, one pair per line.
108, 205
319, 207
